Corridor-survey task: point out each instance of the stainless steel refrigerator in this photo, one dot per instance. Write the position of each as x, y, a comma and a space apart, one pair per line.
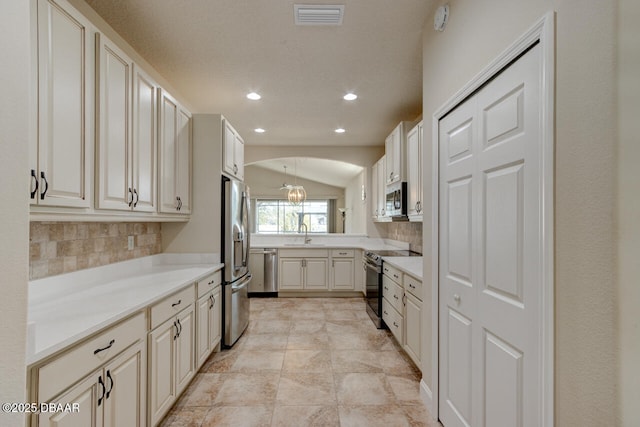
235, 252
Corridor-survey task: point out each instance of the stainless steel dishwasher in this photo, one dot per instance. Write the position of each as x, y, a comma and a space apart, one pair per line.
263, 264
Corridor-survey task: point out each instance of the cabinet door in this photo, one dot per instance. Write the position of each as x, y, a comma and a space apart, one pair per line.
183, 161
125, 398
185, 344
215, 319
167, 139
115, 190
343, 271
290, 274
88, 395
161, 370
229, 149
316, 273
373, 191
144, 156
414, 162
412, 327
389, 152
203, 329
382, 188
61, 162
238, 149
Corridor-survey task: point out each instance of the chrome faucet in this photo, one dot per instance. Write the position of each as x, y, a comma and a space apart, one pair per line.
306, 237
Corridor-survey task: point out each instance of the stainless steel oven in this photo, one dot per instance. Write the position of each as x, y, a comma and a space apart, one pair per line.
373, 266
373, 272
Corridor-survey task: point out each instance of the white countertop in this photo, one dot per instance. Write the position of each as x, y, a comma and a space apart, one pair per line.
409, 264
66, 308
325, 241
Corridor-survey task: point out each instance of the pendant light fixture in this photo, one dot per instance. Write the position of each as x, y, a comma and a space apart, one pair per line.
297, 194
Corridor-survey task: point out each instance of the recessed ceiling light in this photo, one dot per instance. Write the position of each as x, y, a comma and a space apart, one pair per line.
253, 96
258, 130
340, 130
350, 96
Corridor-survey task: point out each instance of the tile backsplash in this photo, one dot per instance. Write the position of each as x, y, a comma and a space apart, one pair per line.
410, 232
63, 247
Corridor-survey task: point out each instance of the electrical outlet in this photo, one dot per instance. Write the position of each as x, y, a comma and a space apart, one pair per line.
130, 243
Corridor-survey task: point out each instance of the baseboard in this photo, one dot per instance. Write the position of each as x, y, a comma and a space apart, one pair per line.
427, 397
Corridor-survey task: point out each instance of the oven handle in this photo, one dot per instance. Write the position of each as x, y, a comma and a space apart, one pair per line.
376, 268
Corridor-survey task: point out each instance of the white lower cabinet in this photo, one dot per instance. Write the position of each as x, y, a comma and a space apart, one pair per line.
209, 312
343, 270
172, 352
413, 315
303, 269
131, 373
413, 309
112, 394
402, 310
315, 276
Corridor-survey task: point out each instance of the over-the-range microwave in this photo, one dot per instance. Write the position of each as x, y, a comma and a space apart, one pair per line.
396, 205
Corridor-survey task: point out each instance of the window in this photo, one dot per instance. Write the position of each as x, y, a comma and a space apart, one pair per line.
280, 217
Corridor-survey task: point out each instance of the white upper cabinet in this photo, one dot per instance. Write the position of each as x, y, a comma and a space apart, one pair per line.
175, 156
233, 152
395, 152
115, 71
382, 190
414, 172
60, 157
144, 148
127, 123
374, 191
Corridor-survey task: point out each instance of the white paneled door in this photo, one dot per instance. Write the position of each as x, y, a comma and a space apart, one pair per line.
490, 238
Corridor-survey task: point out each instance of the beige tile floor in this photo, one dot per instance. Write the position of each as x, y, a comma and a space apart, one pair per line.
306, 362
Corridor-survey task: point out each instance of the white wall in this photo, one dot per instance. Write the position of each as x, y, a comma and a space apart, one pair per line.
202, 234
628, 212
14, 210
355, 216
585, 316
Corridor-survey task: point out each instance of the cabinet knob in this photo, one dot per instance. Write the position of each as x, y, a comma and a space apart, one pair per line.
456, 298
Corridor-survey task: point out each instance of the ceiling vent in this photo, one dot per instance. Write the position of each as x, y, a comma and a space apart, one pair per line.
318, 14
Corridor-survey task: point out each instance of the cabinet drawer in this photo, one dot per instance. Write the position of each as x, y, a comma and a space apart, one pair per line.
392, 272
210, 282
303, 253
393, 319
413, 286
392, 292
342, 253
171, 305
82, 359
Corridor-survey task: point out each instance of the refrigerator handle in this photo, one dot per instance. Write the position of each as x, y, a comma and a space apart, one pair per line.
244, 214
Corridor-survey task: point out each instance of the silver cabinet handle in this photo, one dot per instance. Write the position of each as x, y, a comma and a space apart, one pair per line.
456, 298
